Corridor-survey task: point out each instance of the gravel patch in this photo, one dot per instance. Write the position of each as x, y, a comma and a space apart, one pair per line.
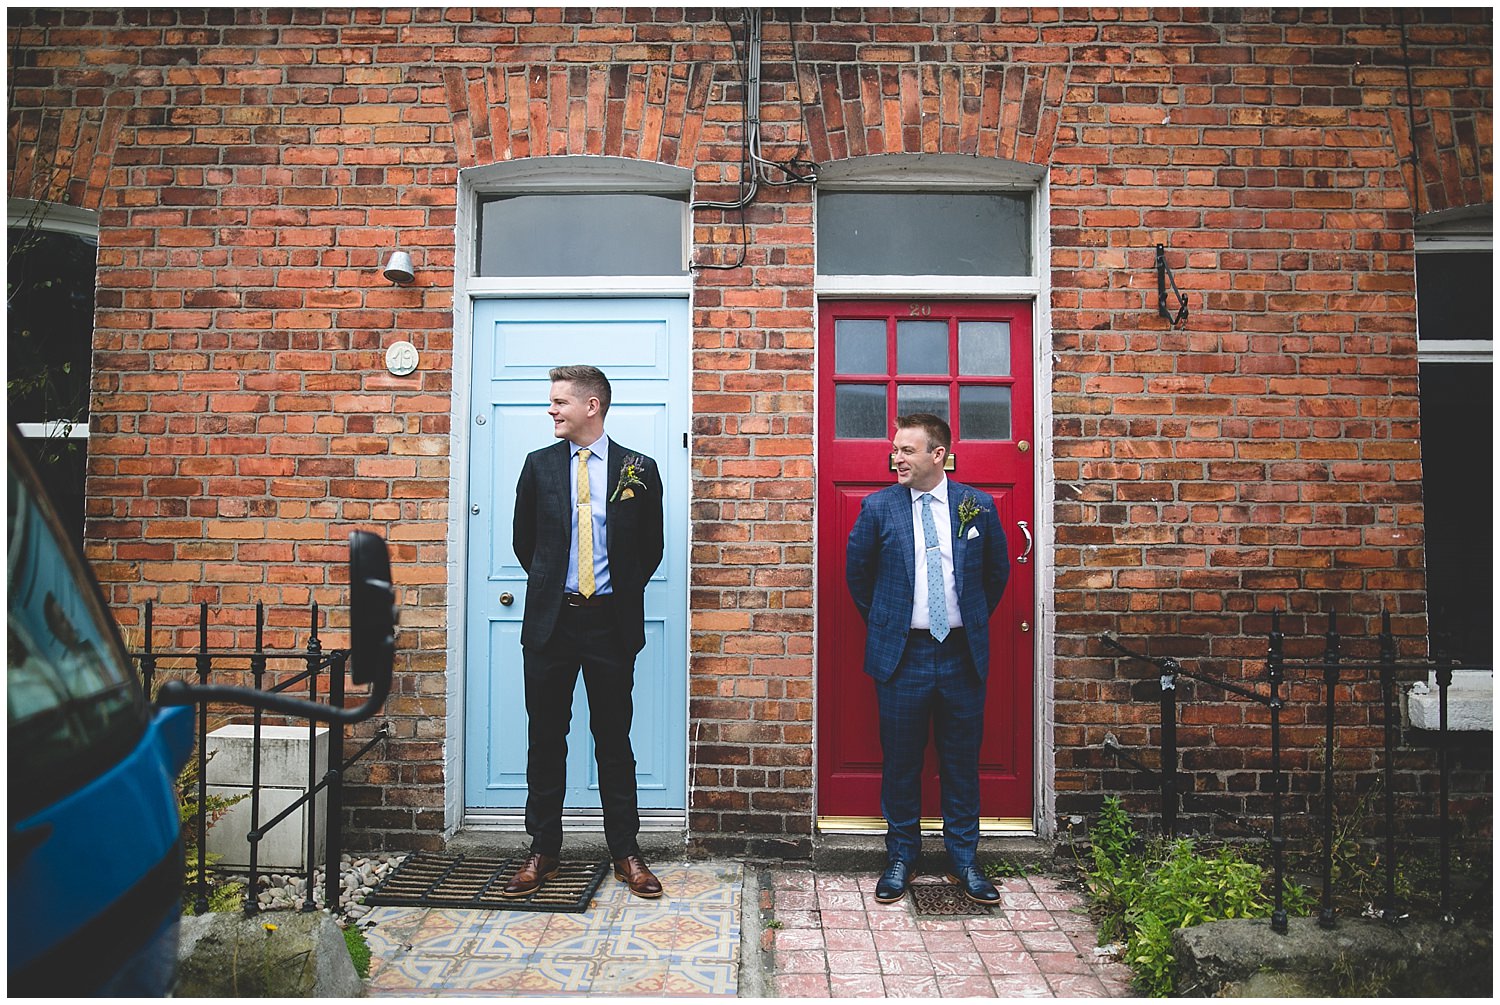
361, 874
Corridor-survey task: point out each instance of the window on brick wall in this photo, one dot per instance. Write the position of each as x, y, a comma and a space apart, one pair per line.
583, 234
50, 273
930, 225
1455, 354
924, 233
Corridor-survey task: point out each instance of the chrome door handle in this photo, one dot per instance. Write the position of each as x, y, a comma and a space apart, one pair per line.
1027, 531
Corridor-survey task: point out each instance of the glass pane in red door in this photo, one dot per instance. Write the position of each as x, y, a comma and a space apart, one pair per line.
983, 413
860, 411
859, 346
984, 348
922, 347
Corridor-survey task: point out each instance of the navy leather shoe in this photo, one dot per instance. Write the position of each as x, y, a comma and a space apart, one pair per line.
893, 883
976, 887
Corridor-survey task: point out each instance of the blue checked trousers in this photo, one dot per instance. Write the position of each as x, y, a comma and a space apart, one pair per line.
935, 685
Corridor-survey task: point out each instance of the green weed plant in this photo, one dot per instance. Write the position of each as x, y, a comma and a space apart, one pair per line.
223, 894
359, 950
1009, 866
1145, 890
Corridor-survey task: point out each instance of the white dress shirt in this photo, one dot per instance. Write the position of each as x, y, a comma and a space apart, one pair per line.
919, 615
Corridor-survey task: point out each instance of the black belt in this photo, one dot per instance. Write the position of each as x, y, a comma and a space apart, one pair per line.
955, 632
579, 600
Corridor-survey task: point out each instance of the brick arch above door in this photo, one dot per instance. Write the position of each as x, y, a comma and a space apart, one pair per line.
650, 112
1007, 111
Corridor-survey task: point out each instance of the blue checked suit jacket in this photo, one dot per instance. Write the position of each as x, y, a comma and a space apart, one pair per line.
881, 570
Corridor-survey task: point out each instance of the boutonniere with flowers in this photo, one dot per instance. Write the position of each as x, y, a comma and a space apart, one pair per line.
630, 478
968, 512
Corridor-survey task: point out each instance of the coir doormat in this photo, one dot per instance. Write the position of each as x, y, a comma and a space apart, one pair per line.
476, 882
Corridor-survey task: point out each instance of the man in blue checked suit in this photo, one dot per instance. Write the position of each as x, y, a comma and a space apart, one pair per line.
927, 564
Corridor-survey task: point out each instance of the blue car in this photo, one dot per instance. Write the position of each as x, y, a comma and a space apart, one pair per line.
95, 850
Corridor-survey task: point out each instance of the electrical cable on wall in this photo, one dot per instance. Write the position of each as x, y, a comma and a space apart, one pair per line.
747, 117
1411, 123
748, 183
806, 171
754, 166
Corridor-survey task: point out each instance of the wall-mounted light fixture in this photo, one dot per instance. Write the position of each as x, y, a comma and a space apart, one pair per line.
398, 268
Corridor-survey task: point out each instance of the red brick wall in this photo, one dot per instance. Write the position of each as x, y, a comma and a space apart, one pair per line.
251, 168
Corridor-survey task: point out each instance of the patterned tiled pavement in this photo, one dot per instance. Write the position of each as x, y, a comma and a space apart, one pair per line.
819, 935
835, 940
687, 943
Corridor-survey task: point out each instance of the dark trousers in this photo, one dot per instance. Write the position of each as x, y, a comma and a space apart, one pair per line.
935, 684
585, 638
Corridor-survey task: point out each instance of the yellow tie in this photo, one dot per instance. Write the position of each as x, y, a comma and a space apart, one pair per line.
585, 528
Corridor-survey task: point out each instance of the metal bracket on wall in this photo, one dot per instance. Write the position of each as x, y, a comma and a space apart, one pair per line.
1163, 277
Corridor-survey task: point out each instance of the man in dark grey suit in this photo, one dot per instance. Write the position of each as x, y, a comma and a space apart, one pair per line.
927, 564
588, 532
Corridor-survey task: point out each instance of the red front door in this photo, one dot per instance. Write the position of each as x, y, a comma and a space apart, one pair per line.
969, 362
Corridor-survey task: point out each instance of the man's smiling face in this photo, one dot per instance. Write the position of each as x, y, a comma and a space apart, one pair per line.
573, 416
917, 466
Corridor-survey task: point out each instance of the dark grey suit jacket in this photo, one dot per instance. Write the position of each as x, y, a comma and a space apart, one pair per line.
542, 534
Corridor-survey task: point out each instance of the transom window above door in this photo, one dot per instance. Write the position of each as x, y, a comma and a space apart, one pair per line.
924, 233
923, 358
933, 226
583, 234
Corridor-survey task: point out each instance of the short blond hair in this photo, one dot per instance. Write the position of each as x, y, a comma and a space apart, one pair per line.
588, 381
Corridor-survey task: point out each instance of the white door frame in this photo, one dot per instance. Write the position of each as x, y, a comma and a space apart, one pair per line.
938, 171
531, 175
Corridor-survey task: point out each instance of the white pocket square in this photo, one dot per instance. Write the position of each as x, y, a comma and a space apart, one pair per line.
972, 534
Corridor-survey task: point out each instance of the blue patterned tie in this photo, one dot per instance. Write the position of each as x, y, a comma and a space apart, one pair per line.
937, 604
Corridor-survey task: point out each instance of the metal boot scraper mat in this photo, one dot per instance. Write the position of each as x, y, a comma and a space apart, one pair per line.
475, 882
946, 900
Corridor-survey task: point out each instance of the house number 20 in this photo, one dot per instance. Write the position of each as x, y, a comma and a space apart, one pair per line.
918, 310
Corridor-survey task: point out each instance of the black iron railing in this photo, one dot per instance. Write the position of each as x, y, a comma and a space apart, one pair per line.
314, 661
1333, 667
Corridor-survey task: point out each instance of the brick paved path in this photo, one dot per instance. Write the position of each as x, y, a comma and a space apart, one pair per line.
834, 940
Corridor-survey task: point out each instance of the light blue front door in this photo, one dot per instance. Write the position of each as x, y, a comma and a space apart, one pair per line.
641, 345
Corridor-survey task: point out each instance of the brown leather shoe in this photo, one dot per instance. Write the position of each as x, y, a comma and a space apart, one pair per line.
535, 871
634, 873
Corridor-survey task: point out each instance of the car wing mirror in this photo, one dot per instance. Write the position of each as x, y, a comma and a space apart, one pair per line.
372, 611
372, 646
